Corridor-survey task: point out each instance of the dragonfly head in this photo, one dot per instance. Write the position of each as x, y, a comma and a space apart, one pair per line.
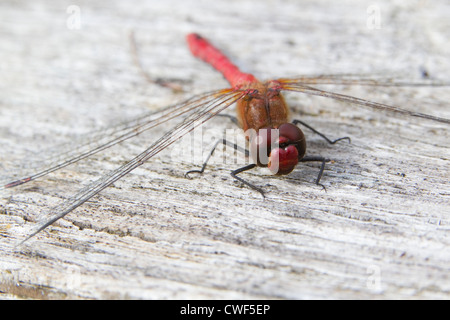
279, 148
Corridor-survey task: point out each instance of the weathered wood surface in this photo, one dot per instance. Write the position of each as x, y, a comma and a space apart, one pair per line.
381, 230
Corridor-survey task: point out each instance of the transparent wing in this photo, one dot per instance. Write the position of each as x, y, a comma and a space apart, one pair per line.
104, 139
363, 80
203, 110
297, 86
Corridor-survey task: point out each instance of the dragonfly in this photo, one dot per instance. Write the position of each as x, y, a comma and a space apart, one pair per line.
274, 142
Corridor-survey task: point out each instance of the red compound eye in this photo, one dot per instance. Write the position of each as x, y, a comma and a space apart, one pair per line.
291, 132
283, 160
292, 147
279, 149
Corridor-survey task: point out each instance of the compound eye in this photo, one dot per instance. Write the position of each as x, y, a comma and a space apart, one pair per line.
283, 160
291, 134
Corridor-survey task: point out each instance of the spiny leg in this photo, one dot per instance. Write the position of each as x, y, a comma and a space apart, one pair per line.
248, 167
322, 166
234, 172
186, 175
224, 142
320, 134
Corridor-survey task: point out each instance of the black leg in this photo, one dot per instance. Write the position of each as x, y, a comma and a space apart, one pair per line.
232, 118
225, 142
322, 167
248, 167
320, 134
234, 172
186, 175
161, 82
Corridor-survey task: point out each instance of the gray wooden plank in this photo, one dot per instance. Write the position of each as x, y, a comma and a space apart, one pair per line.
379, 231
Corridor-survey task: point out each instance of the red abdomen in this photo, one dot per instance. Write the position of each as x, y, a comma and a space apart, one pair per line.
201, 48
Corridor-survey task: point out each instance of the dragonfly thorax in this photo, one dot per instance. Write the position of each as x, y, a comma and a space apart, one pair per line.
263, 109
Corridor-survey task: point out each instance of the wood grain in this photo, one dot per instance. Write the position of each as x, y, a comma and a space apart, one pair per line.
381, 229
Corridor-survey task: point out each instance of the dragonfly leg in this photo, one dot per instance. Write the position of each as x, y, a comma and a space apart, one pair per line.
232, 118
234, 172
223, 141
247, 167
320, 134
158, 81
206, 161
322, 166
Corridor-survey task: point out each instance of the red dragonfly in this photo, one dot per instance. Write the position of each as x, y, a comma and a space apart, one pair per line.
260, 108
